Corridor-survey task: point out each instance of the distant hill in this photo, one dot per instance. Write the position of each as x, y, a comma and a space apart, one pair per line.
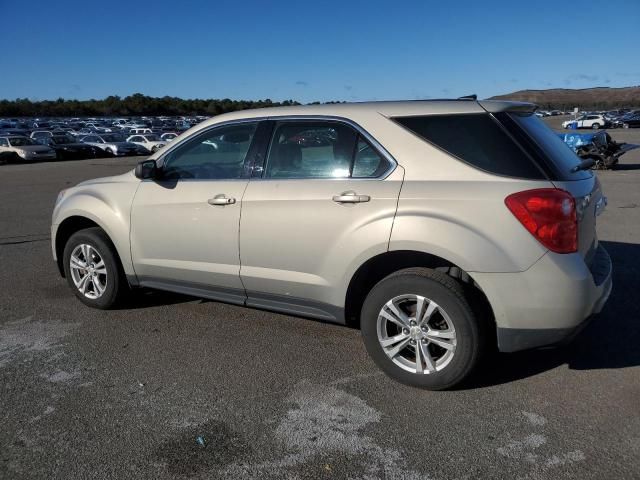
565, 98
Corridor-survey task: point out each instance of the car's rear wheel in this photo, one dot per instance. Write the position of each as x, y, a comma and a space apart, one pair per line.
419, 328
625, 125
109, 152
93, 270
595, 126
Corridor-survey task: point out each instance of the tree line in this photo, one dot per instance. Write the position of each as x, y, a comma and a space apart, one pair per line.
136, 104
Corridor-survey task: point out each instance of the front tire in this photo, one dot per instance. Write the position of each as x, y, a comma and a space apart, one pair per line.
93, 270
595, 126
419, 328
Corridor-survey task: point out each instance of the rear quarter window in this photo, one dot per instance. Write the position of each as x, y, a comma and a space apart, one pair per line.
476, 139
558, 159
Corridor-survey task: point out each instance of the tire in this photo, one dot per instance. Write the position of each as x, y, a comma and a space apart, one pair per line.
453, 316
625, 125
109, 152
595, 126
113, 282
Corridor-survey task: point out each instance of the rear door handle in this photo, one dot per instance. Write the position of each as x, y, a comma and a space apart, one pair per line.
351, 197
221, 199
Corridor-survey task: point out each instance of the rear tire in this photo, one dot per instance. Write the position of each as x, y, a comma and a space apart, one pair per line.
434, 351
595, 126
109, 152
93, 269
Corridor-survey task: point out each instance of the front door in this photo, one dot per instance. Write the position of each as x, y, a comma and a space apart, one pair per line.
184, 226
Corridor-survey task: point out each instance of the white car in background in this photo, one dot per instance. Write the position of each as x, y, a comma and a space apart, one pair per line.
150, 142
169, 136
25, 149
112, 144
140, 131
587, 121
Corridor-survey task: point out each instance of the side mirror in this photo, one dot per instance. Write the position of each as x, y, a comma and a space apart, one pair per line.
146, 169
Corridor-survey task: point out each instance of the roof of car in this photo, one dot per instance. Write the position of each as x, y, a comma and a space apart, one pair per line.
385, 108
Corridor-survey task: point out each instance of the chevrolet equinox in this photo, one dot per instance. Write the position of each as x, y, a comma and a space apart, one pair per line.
440, 228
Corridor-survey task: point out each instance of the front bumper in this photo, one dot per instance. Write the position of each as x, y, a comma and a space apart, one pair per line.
548, 302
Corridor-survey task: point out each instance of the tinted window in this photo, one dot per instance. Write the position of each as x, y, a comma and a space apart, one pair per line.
546, 144
310, 150
3, 142
216, 154
476, 139
367, 161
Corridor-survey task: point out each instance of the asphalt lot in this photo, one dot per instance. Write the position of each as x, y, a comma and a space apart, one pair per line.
128, 393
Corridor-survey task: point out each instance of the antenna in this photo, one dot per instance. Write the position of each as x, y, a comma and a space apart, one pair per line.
473, 96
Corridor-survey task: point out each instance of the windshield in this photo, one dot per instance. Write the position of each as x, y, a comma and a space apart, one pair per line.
113, 138
152, 138
21, 141
551, 146
62, 139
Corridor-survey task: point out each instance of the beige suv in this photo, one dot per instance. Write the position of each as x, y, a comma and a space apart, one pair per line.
441, 228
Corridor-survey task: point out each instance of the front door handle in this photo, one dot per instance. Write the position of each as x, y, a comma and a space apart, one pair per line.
351, 197
221, 199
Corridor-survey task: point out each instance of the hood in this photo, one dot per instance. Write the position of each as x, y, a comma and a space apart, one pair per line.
72, 145
34, 148
128, 177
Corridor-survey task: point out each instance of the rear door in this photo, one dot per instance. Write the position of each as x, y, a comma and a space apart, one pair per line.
323, 200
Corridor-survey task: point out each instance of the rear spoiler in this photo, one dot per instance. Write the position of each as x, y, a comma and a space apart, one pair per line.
495, 106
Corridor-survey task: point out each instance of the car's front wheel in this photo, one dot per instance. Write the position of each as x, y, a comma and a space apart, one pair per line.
93, 270
595, 126
419, 328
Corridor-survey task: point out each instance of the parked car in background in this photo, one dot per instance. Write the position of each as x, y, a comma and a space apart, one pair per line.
493, 240
139, 131
39, 134
169, 136
631, 121
113, 145
24, 148
587, 121
149, 142
68, 147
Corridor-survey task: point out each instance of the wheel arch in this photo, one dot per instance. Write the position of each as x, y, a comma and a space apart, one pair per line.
71, 225
378, 267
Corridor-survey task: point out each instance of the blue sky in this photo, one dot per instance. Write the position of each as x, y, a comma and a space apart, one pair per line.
314, 50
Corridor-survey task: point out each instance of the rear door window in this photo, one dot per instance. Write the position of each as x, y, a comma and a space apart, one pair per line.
476, 139
310, 150
321, 149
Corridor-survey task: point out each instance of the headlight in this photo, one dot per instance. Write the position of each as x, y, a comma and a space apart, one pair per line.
60, 196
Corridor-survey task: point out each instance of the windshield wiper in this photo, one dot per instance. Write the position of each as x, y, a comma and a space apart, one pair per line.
585, 164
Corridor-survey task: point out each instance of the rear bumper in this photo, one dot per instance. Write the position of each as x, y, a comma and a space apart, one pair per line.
548, 303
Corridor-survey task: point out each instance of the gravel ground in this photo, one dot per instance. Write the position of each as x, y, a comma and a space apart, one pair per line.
176, 387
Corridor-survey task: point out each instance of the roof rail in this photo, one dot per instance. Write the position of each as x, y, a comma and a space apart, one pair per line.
473, 96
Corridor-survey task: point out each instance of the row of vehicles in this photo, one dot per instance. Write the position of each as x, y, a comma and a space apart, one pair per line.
46, 145
66, 139
613, 119
30, 139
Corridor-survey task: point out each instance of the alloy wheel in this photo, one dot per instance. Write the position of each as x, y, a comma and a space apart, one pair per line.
416, 334
88, 271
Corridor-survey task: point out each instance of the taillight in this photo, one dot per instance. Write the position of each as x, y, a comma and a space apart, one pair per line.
550, 215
